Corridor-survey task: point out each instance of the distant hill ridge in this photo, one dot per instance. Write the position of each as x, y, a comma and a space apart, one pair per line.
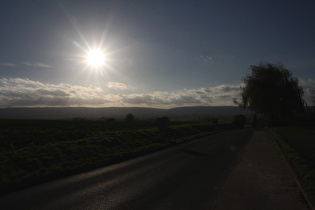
119, 112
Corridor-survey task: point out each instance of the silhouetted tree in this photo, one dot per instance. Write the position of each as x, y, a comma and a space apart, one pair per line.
313, 98
130, 117
272, 91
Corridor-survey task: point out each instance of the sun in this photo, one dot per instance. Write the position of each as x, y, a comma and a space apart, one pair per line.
95, 58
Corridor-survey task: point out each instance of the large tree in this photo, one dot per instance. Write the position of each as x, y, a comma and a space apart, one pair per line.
271, 90
313, 97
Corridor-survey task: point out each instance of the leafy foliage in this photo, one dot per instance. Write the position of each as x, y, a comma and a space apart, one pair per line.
271, 90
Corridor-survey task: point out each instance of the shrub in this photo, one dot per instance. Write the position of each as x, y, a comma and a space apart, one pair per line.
130, 117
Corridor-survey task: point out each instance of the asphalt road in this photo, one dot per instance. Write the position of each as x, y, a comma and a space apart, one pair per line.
189, 176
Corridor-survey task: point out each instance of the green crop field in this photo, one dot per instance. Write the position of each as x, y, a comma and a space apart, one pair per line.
34, 151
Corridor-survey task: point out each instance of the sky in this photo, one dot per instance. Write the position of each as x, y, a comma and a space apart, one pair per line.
158, 53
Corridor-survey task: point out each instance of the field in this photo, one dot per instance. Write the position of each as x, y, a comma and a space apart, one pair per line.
33, 151
298, 144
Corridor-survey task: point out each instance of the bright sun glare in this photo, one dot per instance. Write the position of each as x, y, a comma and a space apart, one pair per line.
95, 58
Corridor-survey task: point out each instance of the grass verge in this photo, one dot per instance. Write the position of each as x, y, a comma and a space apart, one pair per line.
298, 145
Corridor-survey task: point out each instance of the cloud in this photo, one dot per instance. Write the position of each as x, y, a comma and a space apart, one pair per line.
36, 64
7, 64
307, 83
227, 88
220, 95
23, 92
59, 93
187, 100
308, 86
39, 65
138, 99
116, 86
206, 58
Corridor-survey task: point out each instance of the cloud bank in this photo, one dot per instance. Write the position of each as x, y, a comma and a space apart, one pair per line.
23, 92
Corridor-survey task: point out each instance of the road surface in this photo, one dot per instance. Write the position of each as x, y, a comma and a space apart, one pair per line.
188, 176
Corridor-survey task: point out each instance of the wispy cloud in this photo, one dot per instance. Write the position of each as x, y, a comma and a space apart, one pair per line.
39, 65
7, 64
116, 86
206, 58
20, 92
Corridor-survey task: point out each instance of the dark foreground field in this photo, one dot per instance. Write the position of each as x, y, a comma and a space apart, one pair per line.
184, 177
33, 151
